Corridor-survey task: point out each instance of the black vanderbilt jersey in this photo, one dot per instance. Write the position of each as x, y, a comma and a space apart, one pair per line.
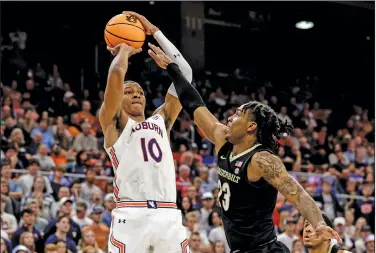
247, 207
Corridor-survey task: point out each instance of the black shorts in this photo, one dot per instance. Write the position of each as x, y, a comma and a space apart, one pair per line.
272, 247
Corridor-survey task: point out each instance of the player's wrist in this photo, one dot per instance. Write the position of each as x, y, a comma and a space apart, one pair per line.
320, 223
154, 30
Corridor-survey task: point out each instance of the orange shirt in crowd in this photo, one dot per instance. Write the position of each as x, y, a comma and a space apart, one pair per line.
61, 159
101, 232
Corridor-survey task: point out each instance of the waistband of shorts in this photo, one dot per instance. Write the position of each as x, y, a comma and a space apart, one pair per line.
151, 204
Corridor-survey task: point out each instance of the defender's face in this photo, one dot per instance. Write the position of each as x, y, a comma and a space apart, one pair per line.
311, 241
239, 126
134, 99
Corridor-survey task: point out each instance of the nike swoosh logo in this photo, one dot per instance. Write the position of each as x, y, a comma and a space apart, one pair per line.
223, 157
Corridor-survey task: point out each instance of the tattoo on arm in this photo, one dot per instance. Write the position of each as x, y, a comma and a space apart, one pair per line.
274, 172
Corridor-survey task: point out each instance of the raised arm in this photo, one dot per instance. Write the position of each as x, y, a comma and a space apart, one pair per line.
171, 107
271, 168
111, 111
190, 99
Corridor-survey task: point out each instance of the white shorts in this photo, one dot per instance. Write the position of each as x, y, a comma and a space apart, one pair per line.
147, 227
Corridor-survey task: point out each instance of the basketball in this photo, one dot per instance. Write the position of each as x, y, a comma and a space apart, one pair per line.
124, 28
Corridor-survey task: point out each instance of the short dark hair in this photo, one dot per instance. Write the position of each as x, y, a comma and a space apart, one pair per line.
195, 233
269, 126
28, 211
59, 218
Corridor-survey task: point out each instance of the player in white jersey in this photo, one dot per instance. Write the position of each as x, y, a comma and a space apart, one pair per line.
146, 216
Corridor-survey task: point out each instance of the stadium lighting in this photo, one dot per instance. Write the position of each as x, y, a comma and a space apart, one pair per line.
304, 25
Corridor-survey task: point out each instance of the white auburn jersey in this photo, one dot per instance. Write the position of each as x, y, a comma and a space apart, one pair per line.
142, 161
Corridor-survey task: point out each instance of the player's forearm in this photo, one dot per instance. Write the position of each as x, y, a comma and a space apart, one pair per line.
308, 208
115, 82
120, 62
189, 97
173, 53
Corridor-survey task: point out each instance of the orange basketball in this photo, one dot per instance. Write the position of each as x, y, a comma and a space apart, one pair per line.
124, 28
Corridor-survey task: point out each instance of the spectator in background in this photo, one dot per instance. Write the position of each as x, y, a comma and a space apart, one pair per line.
3, 246
45, 161
85, 113
8, 220
27, 240
194, 197
26, 181
12, 206
28, 217
360, 244
192, 224
47, 135
40, 222
20, 249
81, 215
328, 202
288, 236
50, 248
15, 190
217, 234
207, 204
35, 143
100, 230
183, 181
62, 229
219, 247
195, 242
88, 239
370, 244
339, 226
85, 140
12, 156
365, 207
39, 189
88, 187
297, 246
207, 185
64, 209
58, 180
109, 205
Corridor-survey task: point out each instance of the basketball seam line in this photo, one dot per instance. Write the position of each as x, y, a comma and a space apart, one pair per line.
108, 40
126, 24
123, 38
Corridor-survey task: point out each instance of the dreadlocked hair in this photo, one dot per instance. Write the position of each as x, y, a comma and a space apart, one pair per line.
269, 127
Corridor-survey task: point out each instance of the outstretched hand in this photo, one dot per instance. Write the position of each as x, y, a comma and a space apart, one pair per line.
328, 233
129, 49
150, 29
159, 56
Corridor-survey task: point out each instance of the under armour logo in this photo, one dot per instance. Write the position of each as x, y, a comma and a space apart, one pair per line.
122, 221
176, 55
131, 19
152, 204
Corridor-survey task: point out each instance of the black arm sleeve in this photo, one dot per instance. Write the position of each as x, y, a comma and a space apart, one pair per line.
189, 97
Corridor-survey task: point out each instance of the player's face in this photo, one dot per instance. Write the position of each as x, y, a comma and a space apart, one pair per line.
313, 240
239, 126
133, 99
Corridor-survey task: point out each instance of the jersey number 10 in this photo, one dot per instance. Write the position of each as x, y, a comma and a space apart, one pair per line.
225, 190
148, 150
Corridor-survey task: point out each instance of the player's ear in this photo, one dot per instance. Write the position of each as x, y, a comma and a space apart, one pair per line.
251, 126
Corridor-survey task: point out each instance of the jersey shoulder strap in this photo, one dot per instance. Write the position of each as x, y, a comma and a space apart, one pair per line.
225, 149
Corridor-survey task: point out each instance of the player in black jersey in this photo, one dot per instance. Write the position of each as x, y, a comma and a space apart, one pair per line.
250, 175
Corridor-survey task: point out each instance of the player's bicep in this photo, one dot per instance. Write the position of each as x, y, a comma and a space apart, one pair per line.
169, 110
271, 168
213, 130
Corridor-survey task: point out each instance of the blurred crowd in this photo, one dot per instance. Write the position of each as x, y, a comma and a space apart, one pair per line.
56, 179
